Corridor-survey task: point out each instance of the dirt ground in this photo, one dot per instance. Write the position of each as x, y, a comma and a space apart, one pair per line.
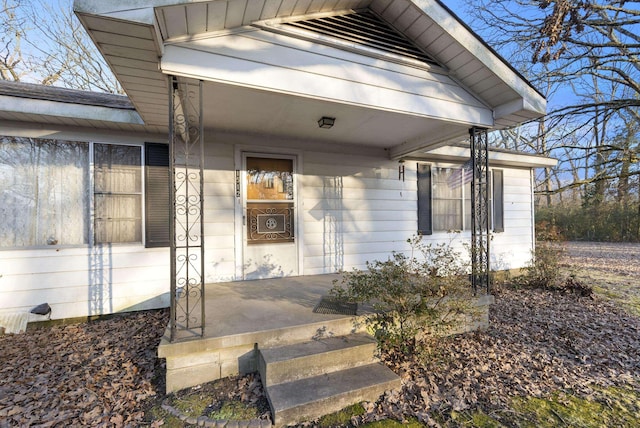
106, 373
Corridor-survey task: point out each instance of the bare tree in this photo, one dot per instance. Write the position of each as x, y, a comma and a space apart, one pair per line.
585, 54
11, 61
45, 43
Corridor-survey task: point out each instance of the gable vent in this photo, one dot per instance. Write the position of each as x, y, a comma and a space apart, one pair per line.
364, 29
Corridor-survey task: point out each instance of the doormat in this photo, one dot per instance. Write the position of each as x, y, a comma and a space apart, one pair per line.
330, 306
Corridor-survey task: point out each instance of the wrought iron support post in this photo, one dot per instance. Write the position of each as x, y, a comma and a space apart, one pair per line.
186, 226
480, 238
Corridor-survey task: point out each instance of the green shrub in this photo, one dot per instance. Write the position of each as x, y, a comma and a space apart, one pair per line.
414, 298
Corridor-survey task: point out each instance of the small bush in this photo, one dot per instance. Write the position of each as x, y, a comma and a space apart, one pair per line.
414, 297
543, 271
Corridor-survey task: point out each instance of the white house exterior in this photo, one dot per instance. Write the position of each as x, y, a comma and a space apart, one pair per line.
271, 69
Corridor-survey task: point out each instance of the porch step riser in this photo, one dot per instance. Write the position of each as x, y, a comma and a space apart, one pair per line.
198, 361
264, 339
306, 380
310, 398
298, 361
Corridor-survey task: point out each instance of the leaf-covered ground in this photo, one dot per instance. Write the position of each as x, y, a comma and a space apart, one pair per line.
539, 343
548, 359
88, 374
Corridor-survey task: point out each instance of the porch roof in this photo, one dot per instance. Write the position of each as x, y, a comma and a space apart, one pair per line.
240, 48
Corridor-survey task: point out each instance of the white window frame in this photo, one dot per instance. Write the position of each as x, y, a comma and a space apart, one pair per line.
92, 214
90, 241
466, 228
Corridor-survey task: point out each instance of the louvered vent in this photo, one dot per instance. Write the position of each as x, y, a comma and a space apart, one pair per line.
365, 29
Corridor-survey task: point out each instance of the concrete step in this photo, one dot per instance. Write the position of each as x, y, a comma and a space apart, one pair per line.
312, 397
324, 355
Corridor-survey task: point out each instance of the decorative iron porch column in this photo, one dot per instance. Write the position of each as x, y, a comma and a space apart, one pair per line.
480, 238
186, 226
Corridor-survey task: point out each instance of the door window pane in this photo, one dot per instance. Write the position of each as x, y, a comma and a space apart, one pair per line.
269, 179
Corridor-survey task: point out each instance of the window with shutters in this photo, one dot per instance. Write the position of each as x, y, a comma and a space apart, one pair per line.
65, 193
444, 199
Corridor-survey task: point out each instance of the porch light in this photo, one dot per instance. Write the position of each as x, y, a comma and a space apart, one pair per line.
326, 122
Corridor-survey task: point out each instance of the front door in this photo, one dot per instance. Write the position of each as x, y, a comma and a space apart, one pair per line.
270, 248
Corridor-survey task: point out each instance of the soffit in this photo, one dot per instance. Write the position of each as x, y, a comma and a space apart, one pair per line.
132, 50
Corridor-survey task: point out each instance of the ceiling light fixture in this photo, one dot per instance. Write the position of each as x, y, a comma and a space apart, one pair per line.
326, 122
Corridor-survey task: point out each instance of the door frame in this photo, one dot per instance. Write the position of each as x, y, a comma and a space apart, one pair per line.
241, 152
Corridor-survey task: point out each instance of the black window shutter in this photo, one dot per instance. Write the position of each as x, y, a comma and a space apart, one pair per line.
498, 201
157, 197
424, 199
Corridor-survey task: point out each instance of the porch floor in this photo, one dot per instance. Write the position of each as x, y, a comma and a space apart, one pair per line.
242, 307
245, 317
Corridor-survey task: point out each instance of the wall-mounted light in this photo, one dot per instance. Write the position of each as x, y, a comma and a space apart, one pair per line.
401, 170
326, 122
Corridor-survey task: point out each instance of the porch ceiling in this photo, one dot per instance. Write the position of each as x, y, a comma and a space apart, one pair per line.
133, 38
241, 109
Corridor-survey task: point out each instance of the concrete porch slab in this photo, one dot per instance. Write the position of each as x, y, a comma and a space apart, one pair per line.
242, 317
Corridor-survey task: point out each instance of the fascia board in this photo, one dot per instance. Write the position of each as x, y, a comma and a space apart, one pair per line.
141, 11
471, 43
452, 153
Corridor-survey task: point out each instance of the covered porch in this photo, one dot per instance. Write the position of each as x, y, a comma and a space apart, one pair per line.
244, 317
343, 93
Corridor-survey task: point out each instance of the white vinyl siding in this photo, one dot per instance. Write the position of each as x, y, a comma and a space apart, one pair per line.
82, 281
355, 210
512, 248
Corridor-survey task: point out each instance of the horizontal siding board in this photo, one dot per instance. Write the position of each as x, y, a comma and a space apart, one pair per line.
350, 182
63, 280
312, 216
364, 226
128, 52
45, 265
330, 237
119, 27
349, 260
219, 177
122, 40
66, 297
358, 204
363, 194
352, 249
216, 214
